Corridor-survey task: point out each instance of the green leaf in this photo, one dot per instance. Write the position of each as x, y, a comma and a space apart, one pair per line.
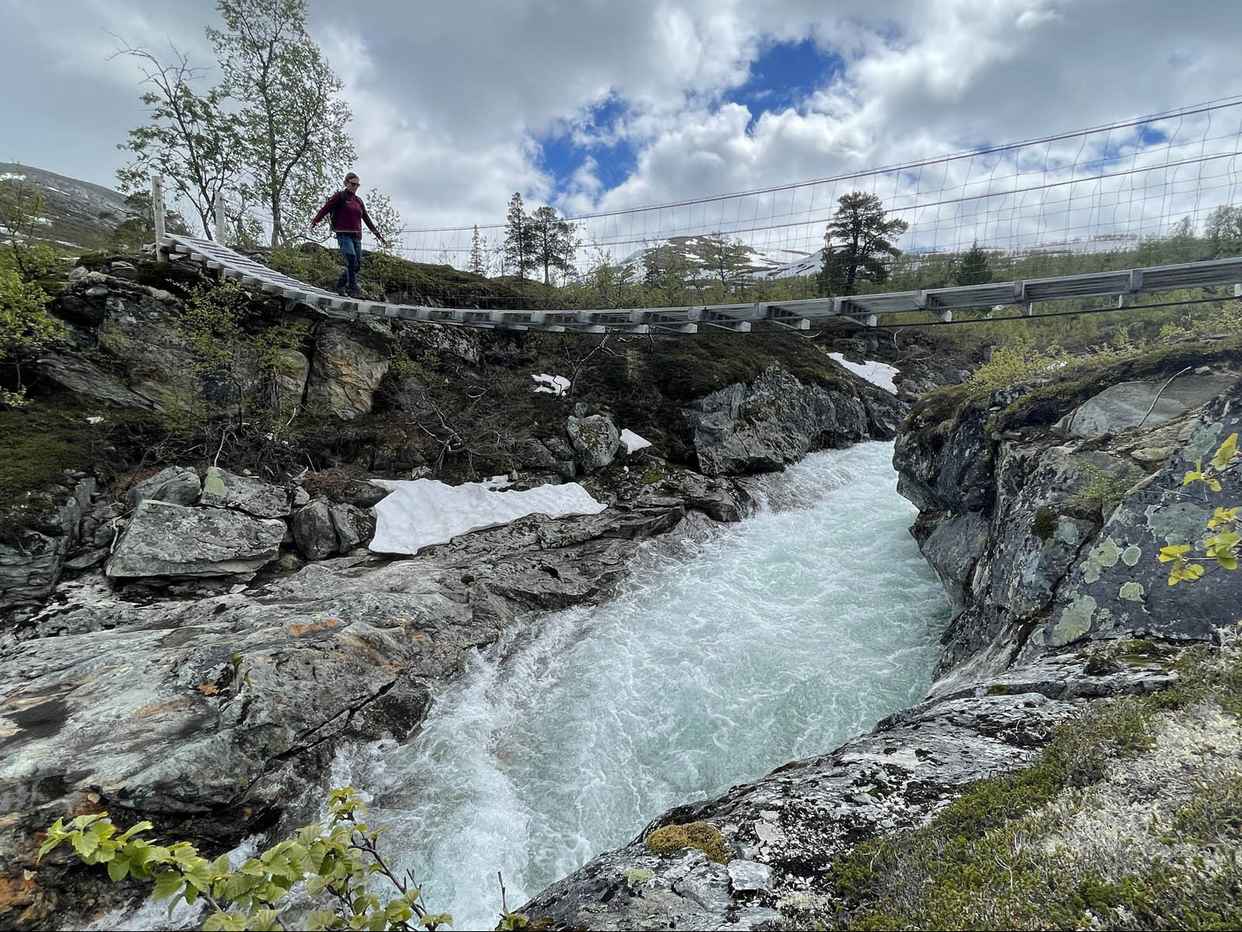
1173, 552
85, 843
118, 870
1228, 450
133, 830
167, 884
439, 919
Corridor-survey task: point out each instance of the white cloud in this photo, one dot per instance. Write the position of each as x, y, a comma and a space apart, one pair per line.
447, 106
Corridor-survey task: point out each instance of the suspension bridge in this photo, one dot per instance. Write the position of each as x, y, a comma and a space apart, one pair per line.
1087, 192
866, 310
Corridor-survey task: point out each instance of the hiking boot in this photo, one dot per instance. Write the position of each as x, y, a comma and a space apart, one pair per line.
355, 293
342, 292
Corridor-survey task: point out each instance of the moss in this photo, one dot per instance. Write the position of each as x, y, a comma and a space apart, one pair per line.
1045, 524
702, 836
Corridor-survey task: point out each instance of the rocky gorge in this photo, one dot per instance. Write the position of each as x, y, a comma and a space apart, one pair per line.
191, 643
1043, 508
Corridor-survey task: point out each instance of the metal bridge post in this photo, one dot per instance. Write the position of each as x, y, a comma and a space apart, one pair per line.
219, 212
157, 212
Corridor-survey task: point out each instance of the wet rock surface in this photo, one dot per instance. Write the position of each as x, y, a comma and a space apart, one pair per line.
1046, 542
210, 714
776, 420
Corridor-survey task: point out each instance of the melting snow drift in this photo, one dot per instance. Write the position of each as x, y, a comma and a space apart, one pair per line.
877, 373
422, 512
633, 442
552, 384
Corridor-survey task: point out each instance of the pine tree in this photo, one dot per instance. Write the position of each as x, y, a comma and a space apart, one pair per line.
857, 240
477, 265
518, 245
974, 268
553, 242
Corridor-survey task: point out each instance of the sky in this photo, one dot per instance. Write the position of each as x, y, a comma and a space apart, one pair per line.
595, 105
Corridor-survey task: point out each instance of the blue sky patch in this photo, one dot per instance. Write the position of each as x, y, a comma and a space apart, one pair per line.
561, 153
784, 74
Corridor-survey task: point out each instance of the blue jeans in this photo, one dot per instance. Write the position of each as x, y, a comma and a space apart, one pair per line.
351, 252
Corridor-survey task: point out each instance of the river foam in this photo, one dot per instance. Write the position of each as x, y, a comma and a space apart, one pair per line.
724, 656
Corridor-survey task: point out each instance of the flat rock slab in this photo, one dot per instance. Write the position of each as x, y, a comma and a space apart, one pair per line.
224, 489
172, 540
1121, 407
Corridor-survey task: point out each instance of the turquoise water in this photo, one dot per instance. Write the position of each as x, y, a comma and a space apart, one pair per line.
723, 657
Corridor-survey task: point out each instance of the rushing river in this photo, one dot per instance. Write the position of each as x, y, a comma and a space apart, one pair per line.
723, 657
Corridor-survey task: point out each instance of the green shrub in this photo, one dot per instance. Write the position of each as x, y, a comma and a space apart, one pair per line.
26, 328
702, 836
338, 865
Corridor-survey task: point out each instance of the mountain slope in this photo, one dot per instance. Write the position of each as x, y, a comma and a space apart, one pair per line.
75, 214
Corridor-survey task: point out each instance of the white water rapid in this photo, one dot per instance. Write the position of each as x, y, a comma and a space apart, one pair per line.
722, 658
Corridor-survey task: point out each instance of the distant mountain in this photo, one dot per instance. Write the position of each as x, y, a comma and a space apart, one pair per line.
76, 214
702, 255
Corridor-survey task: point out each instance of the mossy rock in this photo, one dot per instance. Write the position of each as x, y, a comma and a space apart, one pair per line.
701, 836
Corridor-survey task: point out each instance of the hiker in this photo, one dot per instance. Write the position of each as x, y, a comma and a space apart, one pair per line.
348, 214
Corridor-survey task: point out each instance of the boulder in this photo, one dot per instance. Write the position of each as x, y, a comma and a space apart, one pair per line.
349, 364
83, 377
35, 538
354, 527
175, 484
595, 440
224, 489
167, 540
313, 530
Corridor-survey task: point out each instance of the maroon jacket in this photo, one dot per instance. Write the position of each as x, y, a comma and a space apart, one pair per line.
348, 213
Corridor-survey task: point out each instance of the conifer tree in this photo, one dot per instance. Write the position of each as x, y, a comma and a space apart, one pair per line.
553, 242
858, 239
477, 265
974, 267
518, 238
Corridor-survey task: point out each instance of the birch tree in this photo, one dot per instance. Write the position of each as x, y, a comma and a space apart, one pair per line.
292, 120
190, 139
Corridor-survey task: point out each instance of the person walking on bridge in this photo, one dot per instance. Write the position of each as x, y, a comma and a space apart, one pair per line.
348, 214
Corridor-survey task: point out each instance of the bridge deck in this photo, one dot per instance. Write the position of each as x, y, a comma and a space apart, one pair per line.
866, 309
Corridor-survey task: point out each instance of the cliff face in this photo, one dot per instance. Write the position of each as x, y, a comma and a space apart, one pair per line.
190, 644
1043, 509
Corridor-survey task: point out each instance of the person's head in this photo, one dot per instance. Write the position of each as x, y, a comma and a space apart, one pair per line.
351, 183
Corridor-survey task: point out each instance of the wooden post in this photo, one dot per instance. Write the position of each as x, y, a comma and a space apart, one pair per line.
157, 212
220, 217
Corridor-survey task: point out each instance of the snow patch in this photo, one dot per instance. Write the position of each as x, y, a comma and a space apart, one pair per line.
422, 512
877, 373
552, 384
632, 441
12, 176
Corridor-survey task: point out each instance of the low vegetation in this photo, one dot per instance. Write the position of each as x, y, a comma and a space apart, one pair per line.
1131, 817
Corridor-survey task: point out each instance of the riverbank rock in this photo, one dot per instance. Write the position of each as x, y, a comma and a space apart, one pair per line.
595, 440
776, 420
167, 540
223, 489
174, 484
217, 712
35, 538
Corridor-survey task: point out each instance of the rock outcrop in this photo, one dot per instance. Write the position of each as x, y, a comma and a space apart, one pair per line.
776, 420
215, 711
349, 364
1047, 542
35, 540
